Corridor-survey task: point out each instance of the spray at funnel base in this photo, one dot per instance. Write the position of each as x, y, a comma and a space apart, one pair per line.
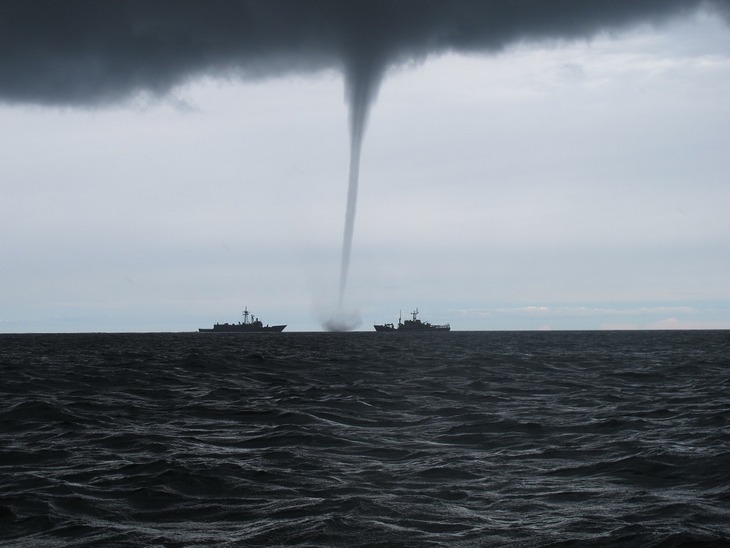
342, 321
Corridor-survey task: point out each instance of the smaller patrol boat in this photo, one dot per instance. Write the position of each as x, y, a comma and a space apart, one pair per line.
414, 325
249, 325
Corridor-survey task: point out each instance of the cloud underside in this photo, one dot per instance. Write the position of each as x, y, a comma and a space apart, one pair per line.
89, 53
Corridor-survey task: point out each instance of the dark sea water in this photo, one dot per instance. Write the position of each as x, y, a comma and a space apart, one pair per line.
366, 439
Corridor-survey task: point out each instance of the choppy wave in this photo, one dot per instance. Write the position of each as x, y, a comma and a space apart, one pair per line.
365, 439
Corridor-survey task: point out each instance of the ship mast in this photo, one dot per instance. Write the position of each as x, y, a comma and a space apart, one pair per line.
245, 315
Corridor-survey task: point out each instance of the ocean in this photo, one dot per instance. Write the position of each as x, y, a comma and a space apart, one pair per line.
365, 439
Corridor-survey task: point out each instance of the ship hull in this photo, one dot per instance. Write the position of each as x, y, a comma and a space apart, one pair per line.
423, 329
242, 328
401, 329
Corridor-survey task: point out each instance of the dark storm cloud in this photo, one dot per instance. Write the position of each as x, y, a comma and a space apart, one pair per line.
91, 52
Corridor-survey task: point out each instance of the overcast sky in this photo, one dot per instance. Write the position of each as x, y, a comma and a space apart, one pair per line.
549, 177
